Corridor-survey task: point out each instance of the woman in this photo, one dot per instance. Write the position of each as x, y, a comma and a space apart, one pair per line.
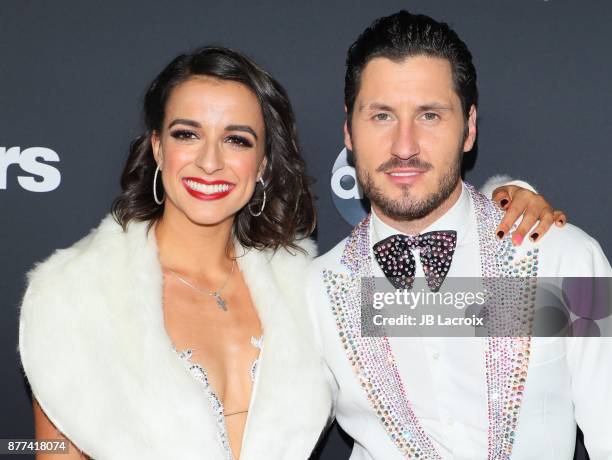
175, 329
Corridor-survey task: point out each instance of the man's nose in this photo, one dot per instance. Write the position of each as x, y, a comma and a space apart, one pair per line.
405, 141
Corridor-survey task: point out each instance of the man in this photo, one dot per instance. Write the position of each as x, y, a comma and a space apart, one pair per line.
411, 103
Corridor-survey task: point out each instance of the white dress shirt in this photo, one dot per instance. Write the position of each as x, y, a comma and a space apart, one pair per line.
569, 380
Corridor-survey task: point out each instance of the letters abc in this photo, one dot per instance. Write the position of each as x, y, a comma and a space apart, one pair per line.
347, 195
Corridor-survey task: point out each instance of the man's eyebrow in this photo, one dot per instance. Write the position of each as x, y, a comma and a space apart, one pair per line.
435, 106
388, 108
375, 106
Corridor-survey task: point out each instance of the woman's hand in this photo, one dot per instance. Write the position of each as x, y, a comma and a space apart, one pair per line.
517, 202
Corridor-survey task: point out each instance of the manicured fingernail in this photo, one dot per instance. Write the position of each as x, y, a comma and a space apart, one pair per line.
534, 236
518, 239
500, 234
503, 203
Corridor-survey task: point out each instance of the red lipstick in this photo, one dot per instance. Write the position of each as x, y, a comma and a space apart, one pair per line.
200, 195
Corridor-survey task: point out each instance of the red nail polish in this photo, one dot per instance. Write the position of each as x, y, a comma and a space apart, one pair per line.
500, 234
503, 203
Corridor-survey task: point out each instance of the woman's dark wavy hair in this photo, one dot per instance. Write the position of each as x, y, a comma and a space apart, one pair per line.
289, 212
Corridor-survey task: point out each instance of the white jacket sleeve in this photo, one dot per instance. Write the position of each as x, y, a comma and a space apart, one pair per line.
497, 181
590, 363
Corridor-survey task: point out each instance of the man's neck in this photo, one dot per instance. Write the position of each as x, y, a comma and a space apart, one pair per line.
414, 226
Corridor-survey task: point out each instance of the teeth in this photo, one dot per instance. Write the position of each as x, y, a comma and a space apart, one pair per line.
404, 174
207, 189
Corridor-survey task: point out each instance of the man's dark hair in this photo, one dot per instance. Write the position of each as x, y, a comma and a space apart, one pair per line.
404, 35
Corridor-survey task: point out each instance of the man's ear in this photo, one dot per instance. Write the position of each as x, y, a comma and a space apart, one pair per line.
156, 147
348, 142
470, 138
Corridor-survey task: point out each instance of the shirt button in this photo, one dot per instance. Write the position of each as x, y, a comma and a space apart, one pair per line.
435, 355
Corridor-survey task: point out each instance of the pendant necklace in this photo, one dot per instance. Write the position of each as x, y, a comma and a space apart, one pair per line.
221, 303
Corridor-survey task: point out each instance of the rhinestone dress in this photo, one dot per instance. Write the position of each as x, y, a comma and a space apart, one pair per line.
199, 373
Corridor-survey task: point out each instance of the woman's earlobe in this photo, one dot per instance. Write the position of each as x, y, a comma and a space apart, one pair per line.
156, 147
262, 169
158, 155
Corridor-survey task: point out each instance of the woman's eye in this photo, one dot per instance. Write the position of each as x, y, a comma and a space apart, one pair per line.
183, 134
239, 141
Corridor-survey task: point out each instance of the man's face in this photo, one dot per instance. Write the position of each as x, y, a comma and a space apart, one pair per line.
408, 135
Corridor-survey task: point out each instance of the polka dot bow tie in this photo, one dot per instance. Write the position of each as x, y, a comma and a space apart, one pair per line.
394, 255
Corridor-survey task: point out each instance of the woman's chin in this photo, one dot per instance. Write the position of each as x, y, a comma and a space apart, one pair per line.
207, 214
210, 219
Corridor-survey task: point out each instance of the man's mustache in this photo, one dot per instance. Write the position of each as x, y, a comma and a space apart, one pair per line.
396, 163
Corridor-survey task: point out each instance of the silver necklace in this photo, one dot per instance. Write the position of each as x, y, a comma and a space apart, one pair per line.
216, 294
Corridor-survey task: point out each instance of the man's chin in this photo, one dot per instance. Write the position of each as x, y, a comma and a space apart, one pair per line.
408, 203
405, 192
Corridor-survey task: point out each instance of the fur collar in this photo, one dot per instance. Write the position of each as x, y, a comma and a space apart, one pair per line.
94, 348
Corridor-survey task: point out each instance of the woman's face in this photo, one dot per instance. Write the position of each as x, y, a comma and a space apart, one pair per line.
210, 149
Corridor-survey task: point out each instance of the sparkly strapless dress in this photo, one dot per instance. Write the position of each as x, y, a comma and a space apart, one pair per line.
200, 374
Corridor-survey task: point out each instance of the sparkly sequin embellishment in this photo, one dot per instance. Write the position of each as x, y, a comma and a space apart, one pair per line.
371, 357
200, 374
436, 249
257, 343
506, 358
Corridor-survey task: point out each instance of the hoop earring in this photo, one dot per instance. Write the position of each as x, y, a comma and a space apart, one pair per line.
263, 204
157, 200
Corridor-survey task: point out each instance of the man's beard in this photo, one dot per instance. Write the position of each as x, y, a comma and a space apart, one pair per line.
408, 207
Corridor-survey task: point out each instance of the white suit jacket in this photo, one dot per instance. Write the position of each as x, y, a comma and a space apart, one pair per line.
569, 379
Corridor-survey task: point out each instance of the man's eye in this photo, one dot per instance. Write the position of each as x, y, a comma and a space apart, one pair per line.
239, 141
183, 134
430, 116
382, 117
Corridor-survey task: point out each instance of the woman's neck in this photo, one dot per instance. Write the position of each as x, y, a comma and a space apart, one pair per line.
193, 249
